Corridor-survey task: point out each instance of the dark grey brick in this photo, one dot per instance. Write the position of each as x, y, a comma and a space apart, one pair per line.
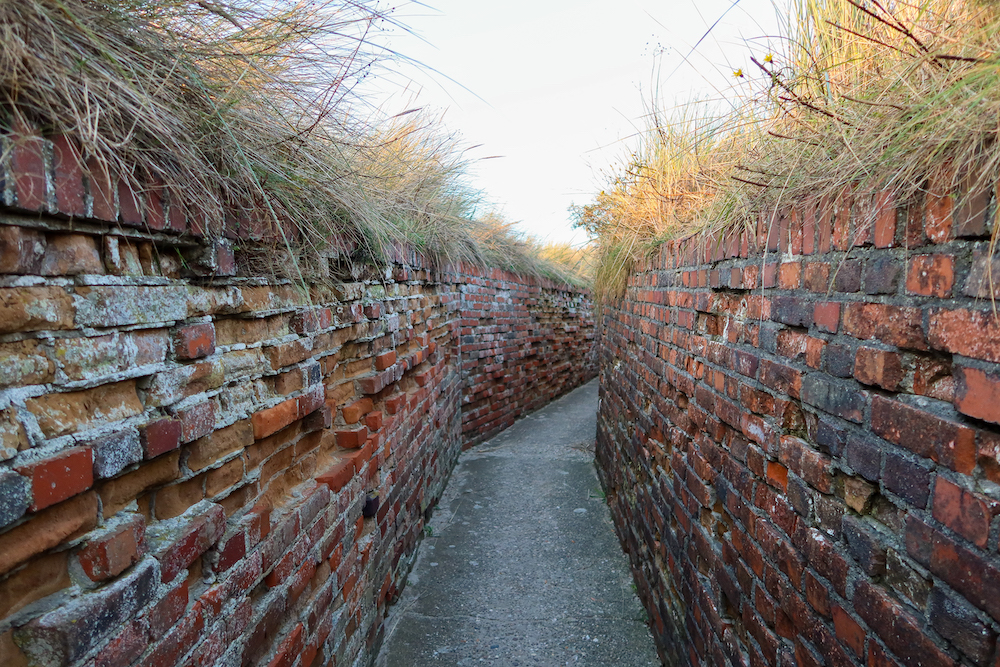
14, 490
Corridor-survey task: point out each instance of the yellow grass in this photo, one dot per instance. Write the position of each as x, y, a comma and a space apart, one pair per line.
897, 97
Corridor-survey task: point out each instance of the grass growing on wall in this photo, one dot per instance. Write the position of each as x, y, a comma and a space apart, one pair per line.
253, 106
867, 96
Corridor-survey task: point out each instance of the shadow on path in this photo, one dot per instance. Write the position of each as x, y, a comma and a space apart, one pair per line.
521, 565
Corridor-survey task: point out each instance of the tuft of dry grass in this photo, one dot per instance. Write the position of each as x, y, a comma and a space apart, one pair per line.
899, 98
248, 110
680, 180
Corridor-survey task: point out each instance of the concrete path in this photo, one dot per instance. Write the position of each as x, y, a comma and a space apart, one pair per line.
521, 565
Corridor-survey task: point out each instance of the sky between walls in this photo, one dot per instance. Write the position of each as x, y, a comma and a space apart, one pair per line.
548, 93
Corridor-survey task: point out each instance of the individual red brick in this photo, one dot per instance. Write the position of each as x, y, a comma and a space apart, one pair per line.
933, 377
937, 224
983, 280
977, 394
795, 233
271, 420
102, 189
375, 383
805, 656
971, 333
809, 464
849, 631
931, 275
129, 204
70, 194
112, 553
301, 579
258, 520
338, 476
842, 222
373, 420
360, 457
395, 403
352, 438
792, 343
160, 436
968, 514
28, 165
60, 477
777, 475
355, 411
286, 354
176, 212
885, 220
924, 434
913, 231
21, 250
156, 218
309, 402
958, 623
780, 377
385, 360
231, 552
70, 255
970, 214
818, 594
168, 610
827, 316
790, 275
194, 341
814, 352
817, 277
894, 325
202, 528
197, 421
908, 479
310, 321
225, 259
878, 367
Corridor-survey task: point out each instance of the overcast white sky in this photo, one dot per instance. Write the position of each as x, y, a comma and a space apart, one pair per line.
556, 88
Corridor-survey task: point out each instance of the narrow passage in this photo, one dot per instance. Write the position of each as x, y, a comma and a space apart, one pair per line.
520, 564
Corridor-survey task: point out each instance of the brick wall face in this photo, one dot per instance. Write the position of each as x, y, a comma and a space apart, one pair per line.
799, 439
186, 454
522, 345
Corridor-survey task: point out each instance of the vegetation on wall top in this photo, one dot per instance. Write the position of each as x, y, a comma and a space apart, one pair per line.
252, 106
893, 97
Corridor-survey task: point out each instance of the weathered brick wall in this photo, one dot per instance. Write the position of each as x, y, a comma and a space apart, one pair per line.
186, 453
799, 438
523, 344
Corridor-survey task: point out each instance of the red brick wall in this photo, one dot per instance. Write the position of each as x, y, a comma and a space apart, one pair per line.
799, 438
185, 452
523, 344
